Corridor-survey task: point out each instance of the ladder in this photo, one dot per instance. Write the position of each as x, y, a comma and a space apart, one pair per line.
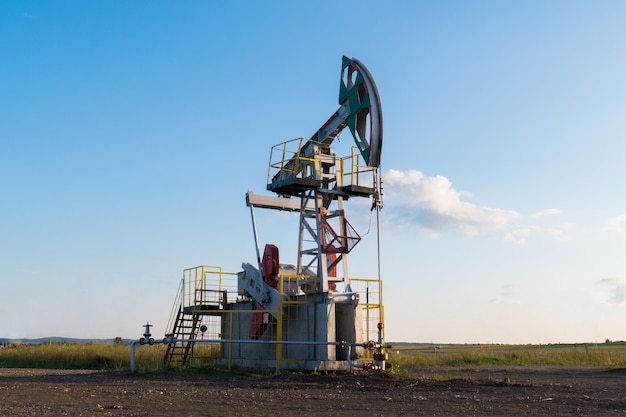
193, 303
178, 351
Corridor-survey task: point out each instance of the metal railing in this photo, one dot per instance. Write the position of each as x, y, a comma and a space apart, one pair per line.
288, 161
358, 173
204, 284
370, 293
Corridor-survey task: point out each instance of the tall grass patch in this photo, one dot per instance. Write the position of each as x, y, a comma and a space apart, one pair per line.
82, 356
606, 354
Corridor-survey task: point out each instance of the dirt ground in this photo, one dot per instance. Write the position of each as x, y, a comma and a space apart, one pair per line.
480, 391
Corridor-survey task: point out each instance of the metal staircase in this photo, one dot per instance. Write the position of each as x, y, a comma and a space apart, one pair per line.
178, 351
199, 307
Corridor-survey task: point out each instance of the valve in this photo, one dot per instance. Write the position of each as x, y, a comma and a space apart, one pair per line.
146, 335
370, 345
371, 367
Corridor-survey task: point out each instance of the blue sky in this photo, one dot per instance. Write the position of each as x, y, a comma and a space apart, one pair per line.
130, 132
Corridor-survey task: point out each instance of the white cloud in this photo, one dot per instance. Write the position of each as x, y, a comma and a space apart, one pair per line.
616, 223
616, 287
432, 205
546, 212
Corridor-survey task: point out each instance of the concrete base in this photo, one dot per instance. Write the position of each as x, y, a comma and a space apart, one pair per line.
270, 365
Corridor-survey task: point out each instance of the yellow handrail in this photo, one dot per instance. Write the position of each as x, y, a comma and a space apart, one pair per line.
194, 287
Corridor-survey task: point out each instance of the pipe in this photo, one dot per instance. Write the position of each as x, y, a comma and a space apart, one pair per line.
377, 365
271, 342
132, 354
349, 359
368, 345
256, 238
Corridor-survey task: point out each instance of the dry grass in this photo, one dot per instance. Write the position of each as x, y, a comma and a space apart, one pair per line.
605, 354
150, 358
82, 356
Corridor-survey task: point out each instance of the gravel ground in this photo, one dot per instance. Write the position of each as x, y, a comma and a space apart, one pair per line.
480, 391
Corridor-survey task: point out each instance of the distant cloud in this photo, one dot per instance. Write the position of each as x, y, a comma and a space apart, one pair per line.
507, 292
546, 212
616, 223
432, 205
616, 287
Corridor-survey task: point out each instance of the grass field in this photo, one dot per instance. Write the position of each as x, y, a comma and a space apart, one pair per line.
150, 358
82, 356
584, 354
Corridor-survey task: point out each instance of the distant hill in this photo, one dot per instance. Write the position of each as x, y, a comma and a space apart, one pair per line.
68, 340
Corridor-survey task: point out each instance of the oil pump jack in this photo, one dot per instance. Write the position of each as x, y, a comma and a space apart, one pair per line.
312, 314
